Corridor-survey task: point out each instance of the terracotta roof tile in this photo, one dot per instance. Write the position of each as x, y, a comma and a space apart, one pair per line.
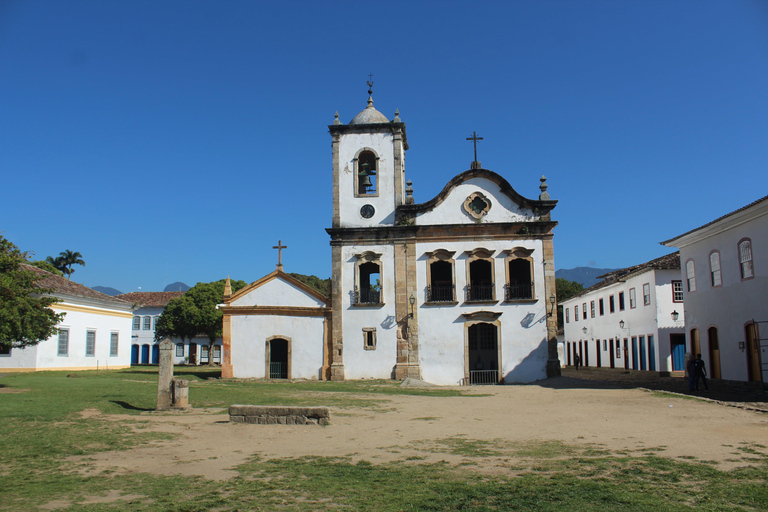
150, 299
64, 286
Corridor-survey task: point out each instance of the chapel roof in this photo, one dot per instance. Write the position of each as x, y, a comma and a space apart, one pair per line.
150, 299
63, 286
369, 115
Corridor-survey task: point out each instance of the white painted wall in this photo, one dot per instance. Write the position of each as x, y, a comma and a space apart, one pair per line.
250, 333
451, 210
735, 303
523, 326
654, 319
349, 206
95, 316
278, 292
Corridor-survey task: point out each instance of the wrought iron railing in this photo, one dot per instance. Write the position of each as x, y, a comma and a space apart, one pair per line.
477, 292
481, 378
278, 371
367, 296
441, 293
518, 291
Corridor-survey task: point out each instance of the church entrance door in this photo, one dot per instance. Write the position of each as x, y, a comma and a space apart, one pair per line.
483, 354
278, 358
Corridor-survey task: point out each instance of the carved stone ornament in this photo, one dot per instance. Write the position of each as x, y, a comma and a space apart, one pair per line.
477, 205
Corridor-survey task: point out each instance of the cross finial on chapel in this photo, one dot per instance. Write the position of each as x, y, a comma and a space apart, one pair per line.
474, 138
279, 248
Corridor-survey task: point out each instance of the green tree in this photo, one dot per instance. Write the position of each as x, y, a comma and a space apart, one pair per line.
195, 313
57, 263
565, 289
25, 316
321, 285
47, 266
69, 258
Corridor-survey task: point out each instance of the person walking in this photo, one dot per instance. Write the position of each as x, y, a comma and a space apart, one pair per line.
699, 372
576, 361
689, 371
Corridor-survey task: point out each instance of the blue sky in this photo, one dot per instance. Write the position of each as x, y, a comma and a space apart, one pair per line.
180, 140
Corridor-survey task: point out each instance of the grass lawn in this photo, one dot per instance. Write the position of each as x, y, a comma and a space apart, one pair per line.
42, 426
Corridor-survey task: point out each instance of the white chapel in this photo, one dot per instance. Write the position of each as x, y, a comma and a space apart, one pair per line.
456, 290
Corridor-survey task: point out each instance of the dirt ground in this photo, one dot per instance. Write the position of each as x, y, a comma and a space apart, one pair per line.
602, 410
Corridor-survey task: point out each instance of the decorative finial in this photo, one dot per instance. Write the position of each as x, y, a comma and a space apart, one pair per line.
279, 248
227, 289
409, 192
370, 90
397, 116
544, 196
336, 118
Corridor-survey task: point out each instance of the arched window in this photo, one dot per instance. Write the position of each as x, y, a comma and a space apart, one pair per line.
366, 172
745, 259
136, 323
714, 269
480, 285
147, 323
440, 281
690, 276
519, 268
368, 290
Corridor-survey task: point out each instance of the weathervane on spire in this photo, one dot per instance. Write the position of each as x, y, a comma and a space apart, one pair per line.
370, 89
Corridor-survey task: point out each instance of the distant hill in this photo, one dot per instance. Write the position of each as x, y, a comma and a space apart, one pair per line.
587, 276
178, 286
106, 290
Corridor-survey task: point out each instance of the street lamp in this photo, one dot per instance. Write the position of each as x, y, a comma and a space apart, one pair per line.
621, 323
584, 330
412, 301
675, 316
552, 299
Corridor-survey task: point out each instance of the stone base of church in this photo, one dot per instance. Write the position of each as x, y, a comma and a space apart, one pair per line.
404, 371
337, 372
553, 368
227, 372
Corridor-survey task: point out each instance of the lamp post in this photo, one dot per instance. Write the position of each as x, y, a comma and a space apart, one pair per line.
675, 316
552, 300
412, 302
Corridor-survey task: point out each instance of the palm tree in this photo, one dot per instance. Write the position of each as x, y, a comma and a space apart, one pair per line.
69, 258
58, 263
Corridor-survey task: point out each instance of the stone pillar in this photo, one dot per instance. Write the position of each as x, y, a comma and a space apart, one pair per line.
227, 372
337, 299
407, 359
553, 362
180, 389
165, 375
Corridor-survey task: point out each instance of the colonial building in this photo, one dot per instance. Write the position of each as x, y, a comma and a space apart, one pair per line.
145, 348
94, 334
457, 289
724, 278
632, 319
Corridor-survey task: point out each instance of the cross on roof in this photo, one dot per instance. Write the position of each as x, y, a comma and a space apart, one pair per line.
279, 248
475, 138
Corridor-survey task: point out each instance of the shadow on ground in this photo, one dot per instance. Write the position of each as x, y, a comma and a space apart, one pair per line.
614, 378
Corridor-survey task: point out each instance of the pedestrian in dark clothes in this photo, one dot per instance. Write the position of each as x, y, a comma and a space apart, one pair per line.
576, 361
699, 372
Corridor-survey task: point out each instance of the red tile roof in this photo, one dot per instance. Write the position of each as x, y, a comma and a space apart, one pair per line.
150, 299
63, 286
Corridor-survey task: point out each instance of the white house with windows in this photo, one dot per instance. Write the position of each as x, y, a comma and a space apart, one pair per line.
146, 350
458, 289
725, 276
94, 334
633, 319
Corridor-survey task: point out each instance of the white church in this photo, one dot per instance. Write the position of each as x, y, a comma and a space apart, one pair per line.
457, 290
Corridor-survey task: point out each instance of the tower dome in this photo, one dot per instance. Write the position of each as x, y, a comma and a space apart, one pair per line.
369, 115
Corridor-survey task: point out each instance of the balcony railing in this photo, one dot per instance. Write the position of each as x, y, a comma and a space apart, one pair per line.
478, 292
367, 296
518, 291
441, 293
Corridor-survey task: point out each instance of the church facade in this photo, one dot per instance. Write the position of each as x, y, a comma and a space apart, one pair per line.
456, 290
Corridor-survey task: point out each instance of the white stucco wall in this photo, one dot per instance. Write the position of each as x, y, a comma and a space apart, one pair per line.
384, 202
442, 327
250, 334
278, 292
81, 316
451, 210
737, 302
358, 362
654, 320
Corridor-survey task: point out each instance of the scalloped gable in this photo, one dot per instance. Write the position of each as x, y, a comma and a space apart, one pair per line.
277, 289
506, 205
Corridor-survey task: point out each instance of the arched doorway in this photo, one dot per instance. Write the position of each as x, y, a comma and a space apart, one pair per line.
155, 354
483, 353
278, 358
714, 353
145, 354
134, 354
753, 354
